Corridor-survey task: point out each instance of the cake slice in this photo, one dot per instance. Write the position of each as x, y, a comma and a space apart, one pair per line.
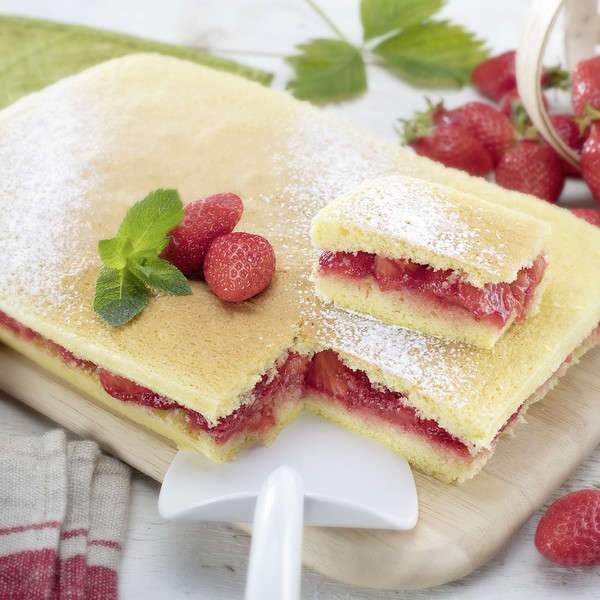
433, 259
215, 377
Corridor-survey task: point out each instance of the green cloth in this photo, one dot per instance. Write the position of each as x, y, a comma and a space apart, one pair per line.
34, 54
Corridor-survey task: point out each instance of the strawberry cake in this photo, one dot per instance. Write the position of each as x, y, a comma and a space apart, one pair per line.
215, 376
430, 258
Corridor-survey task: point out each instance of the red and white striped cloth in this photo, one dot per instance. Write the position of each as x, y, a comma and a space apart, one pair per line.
63, 510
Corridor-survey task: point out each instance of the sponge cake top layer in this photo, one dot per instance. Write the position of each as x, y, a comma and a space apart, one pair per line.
430, 224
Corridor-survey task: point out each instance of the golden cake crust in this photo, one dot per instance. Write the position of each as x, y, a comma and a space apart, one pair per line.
105, 138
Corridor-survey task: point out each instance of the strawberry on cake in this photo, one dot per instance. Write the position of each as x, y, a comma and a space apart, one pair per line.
430, 258
214, 375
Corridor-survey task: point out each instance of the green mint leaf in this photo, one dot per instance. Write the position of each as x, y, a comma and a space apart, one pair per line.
159, 274
148, 221
119, 296
380, 17
114, 252
131, 259
327, 70
433, 54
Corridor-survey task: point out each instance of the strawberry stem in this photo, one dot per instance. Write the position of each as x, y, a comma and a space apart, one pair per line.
523, 125
591, 114
326, 19
422, 123
556, 77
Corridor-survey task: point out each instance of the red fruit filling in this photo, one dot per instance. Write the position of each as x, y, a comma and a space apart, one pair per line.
325, 373
352, 389
29, 334
128, 391
257, 417
495, 303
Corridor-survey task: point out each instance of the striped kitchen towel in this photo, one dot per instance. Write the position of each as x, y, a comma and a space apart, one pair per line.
63, 509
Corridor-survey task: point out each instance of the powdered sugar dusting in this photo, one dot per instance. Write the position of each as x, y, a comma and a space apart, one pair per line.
440, 368
324, 160
39, 248
418, 213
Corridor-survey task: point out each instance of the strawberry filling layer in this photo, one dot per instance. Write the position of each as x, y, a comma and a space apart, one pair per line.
256, 417
353, 390
30, 335
324, 373
495, 303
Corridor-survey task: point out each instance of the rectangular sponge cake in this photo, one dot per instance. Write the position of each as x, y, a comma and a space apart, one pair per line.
76, 156
397, 217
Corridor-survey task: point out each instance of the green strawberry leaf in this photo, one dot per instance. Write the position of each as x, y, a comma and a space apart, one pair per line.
159, 274
327, 70
148, 221
433, 54
380, 17
119, 296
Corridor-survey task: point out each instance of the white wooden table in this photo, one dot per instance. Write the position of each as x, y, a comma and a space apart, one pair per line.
208, 561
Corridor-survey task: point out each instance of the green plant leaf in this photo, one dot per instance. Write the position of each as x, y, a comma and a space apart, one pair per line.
131, 258
148, 221
327, 70
160, 275
35, 53
433, 54
384, 16
120, 296
114, 251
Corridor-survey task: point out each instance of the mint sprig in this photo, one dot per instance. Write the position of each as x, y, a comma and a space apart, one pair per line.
131, 259
402, 36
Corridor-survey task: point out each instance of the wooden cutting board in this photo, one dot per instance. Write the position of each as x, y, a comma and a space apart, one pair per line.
459, 528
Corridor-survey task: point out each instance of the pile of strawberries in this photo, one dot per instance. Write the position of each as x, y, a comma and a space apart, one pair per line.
235, 265
478, 137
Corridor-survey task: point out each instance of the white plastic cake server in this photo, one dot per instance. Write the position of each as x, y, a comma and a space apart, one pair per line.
315, 473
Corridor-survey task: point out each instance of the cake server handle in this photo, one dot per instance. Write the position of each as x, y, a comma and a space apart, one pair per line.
275, 563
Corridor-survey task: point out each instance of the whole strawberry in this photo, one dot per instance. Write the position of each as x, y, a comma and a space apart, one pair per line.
429, 135
569, 531
239, 266
586, 85
487, 124
203, 221
455, 147
590, 160
495, 76
568, 131
533, 169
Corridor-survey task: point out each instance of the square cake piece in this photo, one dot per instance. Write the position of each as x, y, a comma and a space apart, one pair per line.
215, 377
430, 258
